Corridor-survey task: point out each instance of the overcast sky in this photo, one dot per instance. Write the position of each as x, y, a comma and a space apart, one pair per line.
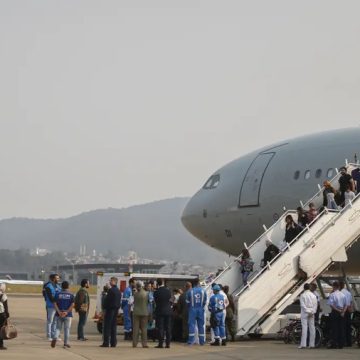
115, 103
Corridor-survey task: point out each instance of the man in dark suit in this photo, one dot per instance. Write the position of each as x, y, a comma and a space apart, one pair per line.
111, 306
163, 313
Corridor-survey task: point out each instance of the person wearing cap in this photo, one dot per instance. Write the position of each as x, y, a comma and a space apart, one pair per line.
111, 305
140, 315
196, 299
217, 319
345, 182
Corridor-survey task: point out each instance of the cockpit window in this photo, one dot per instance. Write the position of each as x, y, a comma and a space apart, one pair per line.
213, 182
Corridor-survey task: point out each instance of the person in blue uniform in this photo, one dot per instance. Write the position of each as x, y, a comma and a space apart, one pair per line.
337, 302
217, 319
64, 303
347, 315
196, 299
126, 304
51, 289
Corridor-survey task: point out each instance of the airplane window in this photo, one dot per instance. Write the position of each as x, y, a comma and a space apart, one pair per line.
318, 173
213, 182
330, 173
307, 175
296, 175
208, 184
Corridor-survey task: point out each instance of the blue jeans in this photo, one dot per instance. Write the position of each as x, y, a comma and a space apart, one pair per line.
67, 324
245, 276
50, 322
81, 325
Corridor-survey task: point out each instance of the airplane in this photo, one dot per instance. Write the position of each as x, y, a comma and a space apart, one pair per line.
10, 281
239, 199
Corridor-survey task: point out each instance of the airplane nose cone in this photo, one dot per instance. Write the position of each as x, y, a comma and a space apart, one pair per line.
186, 217
192, 216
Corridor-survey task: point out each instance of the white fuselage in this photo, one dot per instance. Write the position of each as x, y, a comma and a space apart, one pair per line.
252, 191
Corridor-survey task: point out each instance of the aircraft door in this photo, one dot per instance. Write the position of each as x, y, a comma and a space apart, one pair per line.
251, 185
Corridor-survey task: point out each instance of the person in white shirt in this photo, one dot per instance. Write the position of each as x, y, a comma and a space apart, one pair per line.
308, 303
313, 289
349, 196
337, 302
348, 311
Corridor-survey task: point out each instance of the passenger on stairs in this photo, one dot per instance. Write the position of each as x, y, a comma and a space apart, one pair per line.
270, 253
292, 229
246, 265
349, 196
345, 181
303, 219
329, 196
312, 213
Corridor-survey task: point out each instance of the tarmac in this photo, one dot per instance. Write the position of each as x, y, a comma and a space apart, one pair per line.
28, 314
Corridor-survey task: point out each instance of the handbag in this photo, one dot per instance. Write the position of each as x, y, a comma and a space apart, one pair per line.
8, 331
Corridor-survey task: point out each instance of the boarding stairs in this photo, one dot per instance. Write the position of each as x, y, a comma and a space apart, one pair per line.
275, 286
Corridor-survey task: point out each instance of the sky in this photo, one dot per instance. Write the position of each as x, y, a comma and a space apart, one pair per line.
116, 103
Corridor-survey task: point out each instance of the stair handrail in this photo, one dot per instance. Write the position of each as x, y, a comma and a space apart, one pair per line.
331, 222
332, 180
252, 244
288, 247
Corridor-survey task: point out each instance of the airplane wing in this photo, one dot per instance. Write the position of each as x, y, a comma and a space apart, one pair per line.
21, 282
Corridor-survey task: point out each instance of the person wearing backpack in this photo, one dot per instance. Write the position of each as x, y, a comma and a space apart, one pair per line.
4, 311
51, 289
82, 306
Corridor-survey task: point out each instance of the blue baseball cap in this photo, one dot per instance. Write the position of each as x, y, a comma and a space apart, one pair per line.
216, 288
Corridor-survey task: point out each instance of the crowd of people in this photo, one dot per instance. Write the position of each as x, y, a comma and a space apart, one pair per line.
157, 313
332, 199
341, 304
148, 310
152, 310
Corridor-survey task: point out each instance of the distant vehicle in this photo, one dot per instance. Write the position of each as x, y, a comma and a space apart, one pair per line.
172, 281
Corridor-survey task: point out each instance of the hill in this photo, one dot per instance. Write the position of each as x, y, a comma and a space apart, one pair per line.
153, 230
